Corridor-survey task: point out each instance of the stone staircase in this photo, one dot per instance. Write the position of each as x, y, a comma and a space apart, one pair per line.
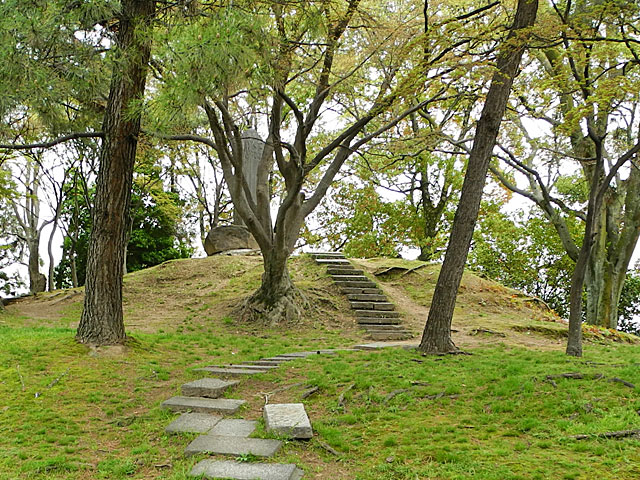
374, 312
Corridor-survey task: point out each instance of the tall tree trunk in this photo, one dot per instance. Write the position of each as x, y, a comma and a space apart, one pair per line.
102, 319
37, 281
437, 332
51, 284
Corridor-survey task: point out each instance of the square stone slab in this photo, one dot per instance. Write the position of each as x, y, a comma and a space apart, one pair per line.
207, 387
230, 372
246, 471
234, 427
203, 405
289, 419
224, 445
193, 423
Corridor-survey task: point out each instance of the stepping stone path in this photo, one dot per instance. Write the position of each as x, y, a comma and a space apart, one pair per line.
373, 310
201, 407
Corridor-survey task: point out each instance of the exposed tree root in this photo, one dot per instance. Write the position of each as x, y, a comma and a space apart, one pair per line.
586, 376
267, 309
618, 434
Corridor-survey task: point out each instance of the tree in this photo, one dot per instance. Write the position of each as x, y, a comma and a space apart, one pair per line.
101, 322
436, 337
292, 67
26, 211
156, 216
588, 74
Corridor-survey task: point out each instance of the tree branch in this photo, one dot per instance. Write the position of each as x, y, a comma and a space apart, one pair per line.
52, 143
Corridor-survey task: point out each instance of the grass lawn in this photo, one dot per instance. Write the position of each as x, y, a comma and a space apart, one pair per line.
70, 412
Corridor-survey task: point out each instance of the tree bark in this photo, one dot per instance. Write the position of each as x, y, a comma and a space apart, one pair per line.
37, 281
102, 318
277, 300
437, 332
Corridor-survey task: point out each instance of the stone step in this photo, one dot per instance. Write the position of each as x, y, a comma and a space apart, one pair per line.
350, 278
344, 271
332, 261
279, 359
377, 314
250, 367
288, 419
230, 372
361, 291
207, 387
203, 405
386, 306
356, 284
267, 363
367, 297
383, 327
245, 470
234, 427
327, 254
225, 445
378, 321
193, 423
211, 425
389, 336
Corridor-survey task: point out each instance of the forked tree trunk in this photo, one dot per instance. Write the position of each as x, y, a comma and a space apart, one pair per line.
277, 300
437, 332
102, 319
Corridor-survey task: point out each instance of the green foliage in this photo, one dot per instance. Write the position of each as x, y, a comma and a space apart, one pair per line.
155, 234
629, 306
523, 252
10, 247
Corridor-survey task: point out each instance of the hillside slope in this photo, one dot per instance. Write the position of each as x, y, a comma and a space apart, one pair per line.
203, 292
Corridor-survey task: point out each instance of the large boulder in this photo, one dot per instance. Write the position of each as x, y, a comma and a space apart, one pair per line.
229, 237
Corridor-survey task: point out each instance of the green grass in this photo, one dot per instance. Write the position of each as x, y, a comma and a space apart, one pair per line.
486, 416
69, 413
490, 415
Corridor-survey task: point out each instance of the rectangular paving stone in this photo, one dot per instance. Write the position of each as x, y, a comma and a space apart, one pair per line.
233, 427
332, 261
350, 278
378, 321
225, 445
346, 270
384, 306
252, 367
379, 345
193, 423
229, 372
268, 363
377, 313
355, 284
362, 305
364, 297
207, 387
289, 419
389, 335
246, 471
203, 405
